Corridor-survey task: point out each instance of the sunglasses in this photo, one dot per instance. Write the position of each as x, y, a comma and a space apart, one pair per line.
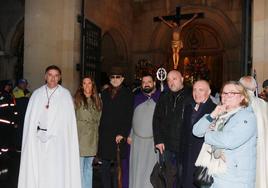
115, 76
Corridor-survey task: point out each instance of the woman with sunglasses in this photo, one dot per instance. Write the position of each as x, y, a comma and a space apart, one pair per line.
229, 150
88, 110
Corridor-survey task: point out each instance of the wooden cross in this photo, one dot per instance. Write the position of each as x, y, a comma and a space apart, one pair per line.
178, 16
176, 43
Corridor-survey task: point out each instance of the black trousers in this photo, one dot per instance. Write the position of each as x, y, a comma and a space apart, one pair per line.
175, 159
109, 174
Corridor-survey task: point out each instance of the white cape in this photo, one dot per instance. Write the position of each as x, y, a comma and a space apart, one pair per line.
260, 108
50, 159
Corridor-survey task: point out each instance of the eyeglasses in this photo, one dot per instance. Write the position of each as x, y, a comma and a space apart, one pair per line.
115, 76
230, 94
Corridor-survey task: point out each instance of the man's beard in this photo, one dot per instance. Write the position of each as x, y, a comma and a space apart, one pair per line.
147, 89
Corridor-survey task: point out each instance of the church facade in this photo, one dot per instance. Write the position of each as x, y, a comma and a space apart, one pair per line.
227, 42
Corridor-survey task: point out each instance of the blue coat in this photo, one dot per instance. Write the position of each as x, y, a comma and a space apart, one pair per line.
238, 139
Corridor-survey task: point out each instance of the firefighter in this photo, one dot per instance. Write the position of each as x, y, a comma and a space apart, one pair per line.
9, 157
21, 94
21, 90
8, 116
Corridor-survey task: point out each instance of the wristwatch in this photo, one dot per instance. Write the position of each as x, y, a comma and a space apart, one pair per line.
209, 118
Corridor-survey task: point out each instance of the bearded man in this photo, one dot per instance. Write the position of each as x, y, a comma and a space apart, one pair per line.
142, 155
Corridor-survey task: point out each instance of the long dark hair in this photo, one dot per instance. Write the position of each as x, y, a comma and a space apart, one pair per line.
80, 97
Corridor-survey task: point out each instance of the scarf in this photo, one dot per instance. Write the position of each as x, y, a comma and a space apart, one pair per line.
210, 156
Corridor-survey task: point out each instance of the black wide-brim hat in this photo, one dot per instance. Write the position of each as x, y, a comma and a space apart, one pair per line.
116, 70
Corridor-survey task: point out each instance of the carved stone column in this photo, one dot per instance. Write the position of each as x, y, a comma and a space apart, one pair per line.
51, 37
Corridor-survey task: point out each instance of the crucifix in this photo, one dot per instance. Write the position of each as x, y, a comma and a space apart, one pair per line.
173, 21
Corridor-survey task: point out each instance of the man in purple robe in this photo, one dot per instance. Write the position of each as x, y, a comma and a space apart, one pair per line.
142, 154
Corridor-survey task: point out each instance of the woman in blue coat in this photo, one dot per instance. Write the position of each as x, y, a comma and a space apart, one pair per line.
230, 134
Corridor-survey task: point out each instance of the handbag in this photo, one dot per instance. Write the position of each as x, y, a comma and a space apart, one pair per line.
201, 177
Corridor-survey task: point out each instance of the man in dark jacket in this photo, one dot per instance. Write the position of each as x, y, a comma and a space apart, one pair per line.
115, 123
168, 120
200, 105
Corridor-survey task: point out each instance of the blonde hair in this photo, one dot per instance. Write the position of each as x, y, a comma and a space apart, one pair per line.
242, 90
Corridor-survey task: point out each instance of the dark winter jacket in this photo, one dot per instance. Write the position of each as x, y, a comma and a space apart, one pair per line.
115, 120
192, 144
169, 117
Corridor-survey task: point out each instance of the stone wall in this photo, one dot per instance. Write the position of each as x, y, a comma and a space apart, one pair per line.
145, 39
11, 32
260, 40
52, 34
115, 18
51, 37
152, 40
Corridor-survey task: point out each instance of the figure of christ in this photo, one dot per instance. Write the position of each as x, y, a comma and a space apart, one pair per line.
176, 43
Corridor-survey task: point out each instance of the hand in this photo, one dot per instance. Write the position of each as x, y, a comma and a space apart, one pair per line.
161, 147
219, 110
211, 127
118, 139
129, 140
223, 158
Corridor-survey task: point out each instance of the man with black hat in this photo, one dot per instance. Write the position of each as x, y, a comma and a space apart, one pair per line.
115, 124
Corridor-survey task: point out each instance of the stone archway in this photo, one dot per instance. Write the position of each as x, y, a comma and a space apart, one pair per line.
114, 50
219, 38
202, 55
13, 49
16, 47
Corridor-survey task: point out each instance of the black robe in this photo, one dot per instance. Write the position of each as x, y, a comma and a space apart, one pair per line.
192, 144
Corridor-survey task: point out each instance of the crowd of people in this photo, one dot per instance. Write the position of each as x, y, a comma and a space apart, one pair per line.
13, 104
59, 136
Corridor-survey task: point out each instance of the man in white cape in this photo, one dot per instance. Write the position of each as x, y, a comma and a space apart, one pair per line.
260, 108
50, 154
